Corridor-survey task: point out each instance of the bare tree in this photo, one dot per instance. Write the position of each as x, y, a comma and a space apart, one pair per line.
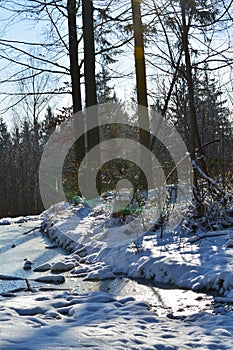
141, 86
184, 37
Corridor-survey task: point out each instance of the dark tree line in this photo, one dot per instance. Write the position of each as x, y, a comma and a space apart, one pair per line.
20, 153
213, 120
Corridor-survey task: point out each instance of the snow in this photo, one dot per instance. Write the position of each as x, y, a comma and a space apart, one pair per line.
61, 266
4, 222
200, 262
18, 220
103, 320
51, 279
27, 265
99, 320
43, 267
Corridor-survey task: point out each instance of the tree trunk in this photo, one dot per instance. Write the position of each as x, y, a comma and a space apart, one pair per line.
79, 147
90, 82
73, 56
195, 137
141, 86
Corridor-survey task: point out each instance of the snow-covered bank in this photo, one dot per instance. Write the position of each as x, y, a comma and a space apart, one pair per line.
202, 262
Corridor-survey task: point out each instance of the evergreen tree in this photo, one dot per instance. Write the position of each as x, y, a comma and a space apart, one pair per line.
5, 169
105, 92
213, 119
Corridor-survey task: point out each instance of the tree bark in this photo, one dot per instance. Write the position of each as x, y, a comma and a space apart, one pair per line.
141, 85
90, 82
79, 147
195, 137
73, 55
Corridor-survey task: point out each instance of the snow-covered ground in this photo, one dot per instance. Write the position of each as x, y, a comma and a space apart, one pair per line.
200, 262
102, 320
99, 320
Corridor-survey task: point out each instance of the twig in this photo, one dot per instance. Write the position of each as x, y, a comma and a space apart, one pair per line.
208, 178
207, 144
29, 288
198, 238
34, 228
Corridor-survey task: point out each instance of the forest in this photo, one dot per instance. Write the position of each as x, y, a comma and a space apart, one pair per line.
170, 56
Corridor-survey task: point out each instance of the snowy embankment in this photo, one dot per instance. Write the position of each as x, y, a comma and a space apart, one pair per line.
43, 317
201, 262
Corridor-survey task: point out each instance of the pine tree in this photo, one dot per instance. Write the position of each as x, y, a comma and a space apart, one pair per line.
105, 92
213, 119
5, 170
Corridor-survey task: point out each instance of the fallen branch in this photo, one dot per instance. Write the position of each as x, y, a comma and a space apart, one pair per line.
198, 238
11, 278
33, 229
50, 279
13, 291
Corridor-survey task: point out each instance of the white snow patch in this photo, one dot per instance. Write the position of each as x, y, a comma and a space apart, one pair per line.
62, 266
55, 279
43, 267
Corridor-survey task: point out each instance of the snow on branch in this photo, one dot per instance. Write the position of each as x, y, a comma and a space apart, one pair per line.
208, 178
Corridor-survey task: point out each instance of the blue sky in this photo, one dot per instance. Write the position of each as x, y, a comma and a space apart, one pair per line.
30, 32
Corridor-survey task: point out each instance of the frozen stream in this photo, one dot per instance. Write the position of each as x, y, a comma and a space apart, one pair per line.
15, 247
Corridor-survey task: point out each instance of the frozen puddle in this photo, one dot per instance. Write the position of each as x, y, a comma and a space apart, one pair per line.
161, 299
17, 248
